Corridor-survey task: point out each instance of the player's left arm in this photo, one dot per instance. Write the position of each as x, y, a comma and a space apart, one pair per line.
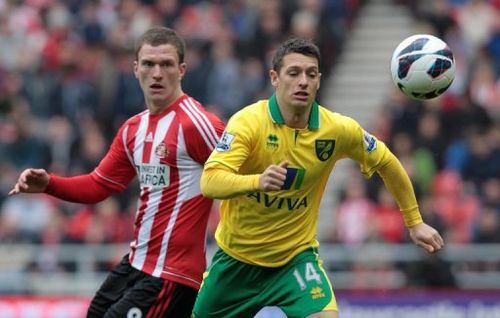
374, 156
399, 185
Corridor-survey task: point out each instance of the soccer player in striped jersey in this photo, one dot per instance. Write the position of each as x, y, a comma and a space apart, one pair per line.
270, 169
165, 146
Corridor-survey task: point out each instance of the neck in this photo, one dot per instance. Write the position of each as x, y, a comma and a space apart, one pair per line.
297, 120
294, 117
156, 107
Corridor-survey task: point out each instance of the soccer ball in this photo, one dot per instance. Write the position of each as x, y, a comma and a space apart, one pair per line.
422, 66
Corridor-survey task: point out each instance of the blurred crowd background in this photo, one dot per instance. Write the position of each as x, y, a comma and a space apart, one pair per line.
67, 84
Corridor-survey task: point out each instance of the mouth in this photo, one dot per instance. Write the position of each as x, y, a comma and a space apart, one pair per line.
156, 87
302, 95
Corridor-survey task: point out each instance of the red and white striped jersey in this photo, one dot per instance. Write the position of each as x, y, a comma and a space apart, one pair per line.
167, 152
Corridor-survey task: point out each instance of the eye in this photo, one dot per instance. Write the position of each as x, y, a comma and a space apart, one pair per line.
167, 64
148, 63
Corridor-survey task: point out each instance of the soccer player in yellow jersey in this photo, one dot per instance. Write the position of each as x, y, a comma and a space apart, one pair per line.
270, 169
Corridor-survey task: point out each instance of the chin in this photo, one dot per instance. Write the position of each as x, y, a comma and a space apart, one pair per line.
156, 100
299, 103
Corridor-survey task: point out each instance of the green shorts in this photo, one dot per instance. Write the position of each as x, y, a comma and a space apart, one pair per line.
232, 288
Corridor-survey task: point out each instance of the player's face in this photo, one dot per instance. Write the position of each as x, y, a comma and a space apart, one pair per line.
298, 80
159, 73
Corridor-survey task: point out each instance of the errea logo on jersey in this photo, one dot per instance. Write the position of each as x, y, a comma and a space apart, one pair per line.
317, 292
272, 141
155, 176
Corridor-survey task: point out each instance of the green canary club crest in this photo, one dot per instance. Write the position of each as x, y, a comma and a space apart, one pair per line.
324, 148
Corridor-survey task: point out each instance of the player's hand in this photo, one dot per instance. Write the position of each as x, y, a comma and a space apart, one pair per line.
31, 181
273, 178
426, 237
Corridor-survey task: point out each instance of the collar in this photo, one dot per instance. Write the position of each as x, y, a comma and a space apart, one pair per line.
277, 118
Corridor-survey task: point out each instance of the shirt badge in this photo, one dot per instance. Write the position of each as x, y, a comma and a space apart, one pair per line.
161, 151
324, 148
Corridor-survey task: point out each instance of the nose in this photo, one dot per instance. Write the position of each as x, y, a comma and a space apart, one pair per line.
303, 80
157, 72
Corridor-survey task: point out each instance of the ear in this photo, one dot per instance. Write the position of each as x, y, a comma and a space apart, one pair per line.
273, 75
182, 69
136, 69
319, 81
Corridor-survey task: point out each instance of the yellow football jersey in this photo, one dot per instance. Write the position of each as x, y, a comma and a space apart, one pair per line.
269, 228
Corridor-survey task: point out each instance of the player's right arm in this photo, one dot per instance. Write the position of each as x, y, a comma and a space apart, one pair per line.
220, 182
79, 189
221, 177
112, 174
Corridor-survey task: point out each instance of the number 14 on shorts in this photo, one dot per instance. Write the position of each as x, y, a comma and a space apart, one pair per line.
309, 274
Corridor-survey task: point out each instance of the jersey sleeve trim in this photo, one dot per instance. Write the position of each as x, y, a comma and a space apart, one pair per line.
98, 174
214, 162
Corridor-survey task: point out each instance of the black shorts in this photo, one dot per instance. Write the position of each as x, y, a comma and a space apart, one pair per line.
128, 292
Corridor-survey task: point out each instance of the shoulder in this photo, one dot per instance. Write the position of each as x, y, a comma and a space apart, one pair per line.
334, 119
193, 111
190, 107
254, 113
134, 120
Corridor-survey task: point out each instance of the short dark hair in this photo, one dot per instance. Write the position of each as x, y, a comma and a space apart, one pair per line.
295, 45
159, 35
